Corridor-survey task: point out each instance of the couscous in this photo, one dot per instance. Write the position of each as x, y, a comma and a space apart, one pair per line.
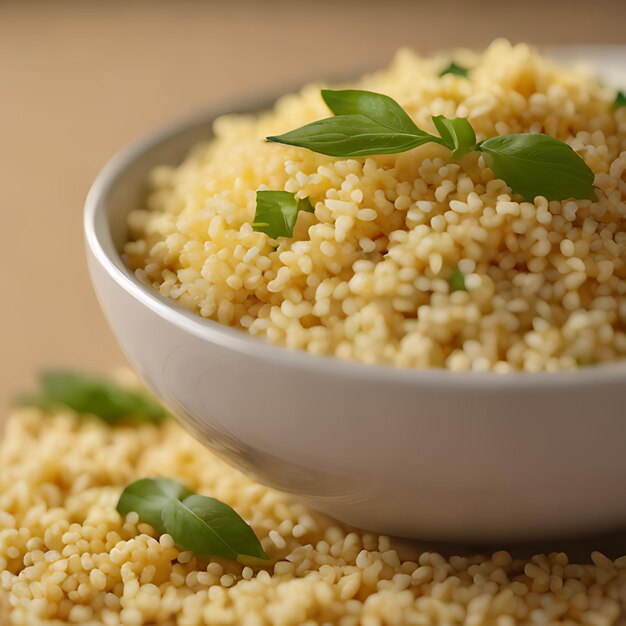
416, 259
68, 557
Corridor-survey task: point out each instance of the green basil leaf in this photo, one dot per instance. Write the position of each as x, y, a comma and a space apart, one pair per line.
148, 497
94, 396
198, 523
277, 212
455, 69
457, 281
376, 107
620, 100
352, 136
365, 123
457, 134
539, 165
207, 526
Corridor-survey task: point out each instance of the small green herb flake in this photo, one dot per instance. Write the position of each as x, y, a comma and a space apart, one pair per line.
455, 69
277, 212
88, 395
457, 134
198, 523
457, 281
539, 165
620, 100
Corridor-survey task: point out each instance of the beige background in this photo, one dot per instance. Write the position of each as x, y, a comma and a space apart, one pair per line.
78, 80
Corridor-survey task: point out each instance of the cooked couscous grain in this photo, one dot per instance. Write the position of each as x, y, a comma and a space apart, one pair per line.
367, 276
67, 557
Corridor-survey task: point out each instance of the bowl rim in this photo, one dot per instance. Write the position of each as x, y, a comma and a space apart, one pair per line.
100, 244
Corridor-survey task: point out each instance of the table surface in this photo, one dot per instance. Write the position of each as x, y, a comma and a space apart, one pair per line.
80, 80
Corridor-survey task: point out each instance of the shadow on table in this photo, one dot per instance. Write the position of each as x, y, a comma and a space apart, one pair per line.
611, 543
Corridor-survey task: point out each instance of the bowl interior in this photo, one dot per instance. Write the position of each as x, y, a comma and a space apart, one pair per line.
127, 190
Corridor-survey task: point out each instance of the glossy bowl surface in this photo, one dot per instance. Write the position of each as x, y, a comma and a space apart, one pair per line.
429, 454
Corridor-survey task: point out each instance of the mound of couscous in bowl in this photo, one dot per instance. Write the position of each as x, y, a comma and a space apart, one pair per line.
416, 259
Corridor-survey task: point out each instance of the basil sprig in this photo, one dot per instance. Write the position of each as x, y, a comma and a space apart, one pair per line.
457, 135
201, 524
455, 69
368, 123
457, 281
88, 395
620, 100
277, 211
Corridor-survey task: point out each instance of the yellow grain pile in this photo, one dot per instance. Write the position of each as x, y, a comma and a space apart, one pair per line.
367, 276
66, 556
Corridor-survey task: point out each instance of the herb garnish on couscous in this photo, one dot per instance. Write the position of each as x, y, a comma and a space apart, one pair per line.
454, 69
368, 123
277, 212
198, 523
90, 395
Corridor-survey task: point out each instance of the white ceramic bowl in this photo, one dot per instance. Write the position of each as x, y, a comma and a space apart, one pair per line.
430, 454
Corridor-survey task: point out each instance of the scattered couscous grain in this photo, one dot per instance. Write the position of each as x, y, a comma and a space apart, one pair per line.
67, 557
366, 277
